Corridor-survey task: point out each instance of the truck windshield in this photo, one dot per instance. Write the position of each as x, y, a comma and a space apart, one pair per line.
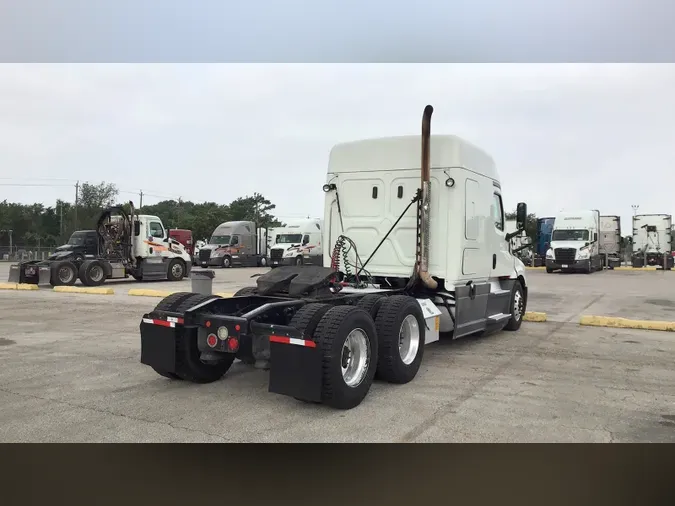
570, 235
289, 238
77, 239
219, 239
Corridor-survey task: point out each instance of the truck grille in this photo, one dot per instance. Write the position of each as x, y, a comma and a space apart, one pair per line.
276, 254
565, 255
204, 255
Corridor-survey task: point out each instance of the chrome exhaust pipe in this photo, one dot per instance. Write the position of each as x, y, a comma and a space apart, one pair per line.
423, 272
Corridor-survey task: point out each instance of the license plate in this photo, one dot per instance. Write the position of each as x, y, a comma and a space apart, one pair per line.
565, 266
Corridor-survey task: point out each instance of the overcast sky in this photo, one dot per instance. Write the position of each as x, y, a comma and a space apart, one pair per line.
578, 136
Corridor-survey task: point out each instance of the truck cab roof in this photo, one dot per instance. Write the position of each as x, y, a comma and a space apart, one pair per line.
403, 153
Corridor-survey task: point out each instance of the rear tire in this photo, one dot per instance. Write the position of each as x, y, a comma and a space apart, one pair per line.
92, 273
517, 306
401, 333
371, 303
189, 366
63, 273
247, 290
347, 339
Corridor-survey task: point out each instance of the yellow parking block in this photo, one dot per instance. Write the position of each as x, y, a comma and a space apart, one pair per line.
94, 290
625, 323
531, 316
636, 269
18, 286
143, 292
225, 295
529, 267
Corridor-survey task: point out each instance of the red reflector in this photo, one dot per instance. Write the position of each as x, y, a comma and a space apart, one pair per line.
291, 340
212, 340
232, 343
208, 324
237, 328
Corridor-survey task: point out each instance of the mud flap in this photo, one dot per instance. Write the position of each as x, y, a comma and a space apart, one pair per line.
29, 273
296, 368
158, 344
14, 275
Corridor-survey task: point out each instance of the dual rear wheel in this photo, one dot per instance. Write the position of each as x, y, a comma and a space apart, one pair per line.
380, 337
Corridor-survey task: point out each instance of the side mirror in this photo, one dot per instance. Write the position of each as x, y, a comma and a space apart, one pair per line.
166, 239
587, 244
521, 215
595, 237
137, 228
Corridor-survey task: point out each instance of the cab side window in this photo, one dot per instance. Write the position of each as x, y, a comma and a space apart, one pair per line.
156, 229
498, 212
305, 240
235, 240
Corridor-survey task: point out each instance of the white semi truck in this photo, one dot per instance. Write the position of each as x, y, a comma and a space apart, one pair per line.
610, 241
298, 243
652, 241
127, 244
574, 242
235, 243
418, 248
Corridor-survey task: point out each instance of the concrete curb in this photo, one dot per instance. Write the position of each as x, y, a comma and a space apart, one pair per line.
225, 295
625, 323
531, 316
18, 286
94, 290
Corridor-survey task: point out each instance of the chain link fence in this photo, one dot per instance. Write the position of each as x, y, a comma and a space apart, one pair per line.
23, 253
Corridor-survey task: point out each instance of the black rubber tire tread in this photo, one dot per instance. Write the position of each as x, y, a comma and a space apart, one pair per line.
549, 270
188, 365
169, 375
229, 260
169, 274
371, 303
512, 324
170, 302
193, 300
247, 290
54, 274
84, 273
330, 334
308, 317
393, 310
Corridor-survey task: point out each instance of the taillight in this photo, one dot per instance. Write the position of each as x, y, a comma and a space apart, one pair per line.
233, 344
212, 340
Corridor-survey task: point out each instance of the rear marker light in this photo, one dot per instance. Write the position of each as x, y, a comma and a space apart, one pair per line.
208, 324
212, 340
237, 328
233, 344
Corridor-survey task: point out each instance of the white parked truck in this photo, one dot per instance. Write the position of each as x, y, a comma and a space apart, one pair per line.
418, 247
128, 245
574, 242
652, 241
610, 241
235, 243
297, 243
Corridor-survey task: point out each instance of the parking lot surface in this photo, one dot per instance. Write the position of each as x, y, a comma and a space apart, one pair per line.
70, 372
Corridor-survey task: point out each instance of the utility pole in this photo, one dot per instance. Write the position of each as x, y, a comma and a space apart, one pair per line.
60, 219
635, 208
77, 197
140, 202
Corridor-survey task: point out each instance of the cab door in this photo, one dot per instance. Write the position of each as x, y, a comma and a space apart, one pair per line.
156, 236
502, 259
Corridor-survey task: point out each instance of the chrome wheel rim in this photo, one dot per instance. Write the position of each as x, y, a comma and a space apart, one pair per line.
355, 358
96, 273
65, 275
177, 270
518, 306
409, 339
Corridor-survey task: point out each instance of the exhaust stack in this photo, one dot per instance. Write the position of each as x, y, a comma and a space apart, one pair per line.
423, 266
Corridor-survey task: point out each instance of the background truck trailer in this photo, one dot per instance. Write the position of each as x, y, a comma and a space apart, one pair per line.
410, 258
610, 240
575, 242
235, 243
652, 241
543, 241
128, 245
298, 243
